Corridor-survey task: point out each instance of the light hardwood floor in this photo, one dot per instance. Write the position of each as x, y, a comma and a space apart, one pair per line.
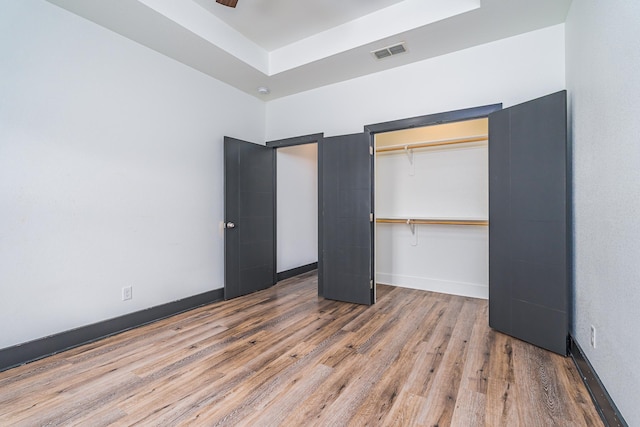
287, 357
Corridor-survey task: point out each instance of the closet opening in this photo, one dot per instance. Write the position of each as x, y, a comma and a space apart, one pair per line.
431, 207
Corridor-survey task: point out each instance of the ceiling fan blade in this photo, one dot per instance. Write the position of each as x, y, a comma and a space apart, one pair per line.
230, 3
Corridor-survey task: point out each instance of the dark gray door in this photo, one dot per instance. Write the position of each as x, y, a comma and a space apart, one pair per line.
529, 222
346, 257
249, 208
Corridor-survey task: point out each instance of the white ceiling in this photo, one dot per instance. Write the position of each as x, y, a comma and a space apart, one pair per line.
272, 24
295, 45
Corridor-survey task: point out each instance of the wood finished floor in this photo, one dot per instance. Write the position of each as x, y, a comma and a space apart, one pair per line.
286, 357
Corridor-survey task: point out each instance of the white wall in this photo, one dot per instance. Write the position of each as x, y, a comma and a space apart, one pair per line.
510, 71
110, 173
603, 61
449, 182
297, 206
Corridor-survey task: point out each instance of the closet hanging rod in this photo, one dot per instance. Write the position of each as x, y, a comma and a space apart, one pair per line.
434, 143
436, 221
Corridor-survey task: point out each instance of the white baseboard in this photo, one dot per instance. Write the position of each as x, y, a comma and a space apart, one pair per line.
473, 290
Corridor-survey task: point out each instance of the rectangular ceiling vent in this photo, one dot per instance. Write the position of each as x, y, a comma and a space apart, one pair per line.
388, 51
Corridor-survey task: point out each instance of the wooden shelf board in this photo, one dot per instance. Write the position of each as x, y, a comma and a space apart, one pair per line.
436, 143
433, 221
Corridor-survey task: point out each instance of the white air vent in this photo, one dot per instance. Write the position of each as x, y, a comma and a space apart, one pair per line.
388, 51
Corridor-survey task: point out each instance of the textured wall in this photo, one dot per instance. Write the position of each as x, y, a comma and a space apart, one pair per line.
603, 63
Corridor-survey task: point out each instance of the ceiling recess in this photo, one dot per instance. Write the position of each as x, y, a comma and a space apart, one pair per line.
388, 51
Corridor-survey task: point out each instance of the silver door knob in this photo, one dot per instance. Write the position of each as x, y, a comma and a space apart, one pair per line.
229, 225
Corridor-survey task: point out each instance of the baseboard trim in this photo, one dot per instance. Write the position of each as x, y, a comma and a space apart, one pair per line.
473, 290
20, 354
601, 399
297, 271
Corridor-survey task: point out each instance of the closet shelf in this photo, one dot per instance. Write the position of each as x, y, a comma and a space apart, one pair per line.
435, 221
435, 143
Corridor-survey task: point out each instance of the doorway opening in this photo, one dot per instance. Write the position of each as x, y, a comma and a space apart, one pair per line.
297, 209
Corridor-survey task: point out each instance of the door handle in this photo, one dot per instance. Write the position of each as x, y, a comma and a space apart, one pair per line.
229, 225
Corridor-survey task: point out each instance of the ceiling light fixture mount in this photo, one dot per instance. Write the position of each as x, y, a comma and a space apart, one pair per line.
230, 3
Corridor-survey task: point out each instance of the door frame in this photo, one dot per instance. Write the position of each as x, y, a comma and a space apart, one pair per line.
371, 130
290, 142
433, 119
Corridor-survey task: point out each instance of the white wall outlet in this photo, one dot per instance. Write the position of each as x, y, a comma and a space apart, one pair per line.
593, 336
127, 293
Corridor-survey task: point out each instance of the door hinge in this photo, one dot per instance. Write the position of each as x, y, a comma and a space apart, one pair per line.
371, 217
371, 150
370, 284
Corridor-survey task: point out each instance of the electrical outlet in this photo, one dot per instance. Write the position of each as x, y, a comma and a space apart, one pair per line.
127, 293
593, 336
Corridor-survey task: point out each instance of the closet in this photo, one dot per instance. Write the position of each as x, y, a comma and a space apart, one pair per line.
431, 204
406, 203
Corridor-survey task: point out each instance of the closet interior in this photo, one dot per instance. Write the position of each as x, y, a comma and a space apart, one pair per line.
431, 205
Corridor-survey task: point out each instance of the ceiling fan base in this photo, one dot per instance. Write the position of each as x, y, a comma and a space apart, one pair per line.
230, 3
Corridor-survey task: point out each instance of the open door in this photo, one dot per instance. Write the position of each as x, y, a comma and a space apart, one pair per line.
249, 205
530, 222
346, 256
